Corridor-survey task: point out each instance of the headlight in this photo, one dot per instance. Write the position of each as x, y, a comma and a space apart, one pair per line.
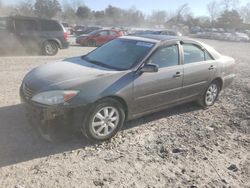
54, 97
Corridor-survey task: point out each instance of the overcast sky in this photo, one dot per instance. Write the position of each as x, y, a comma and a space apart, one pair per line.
198, 7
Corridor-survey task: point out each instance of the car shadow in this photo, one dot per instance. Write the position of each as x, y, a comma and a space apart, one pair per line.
20, 142
180, 109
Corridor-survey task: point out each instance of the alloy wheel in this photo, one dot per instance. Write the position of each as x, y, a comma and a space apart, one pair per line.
105, 121
50, 48
211, 94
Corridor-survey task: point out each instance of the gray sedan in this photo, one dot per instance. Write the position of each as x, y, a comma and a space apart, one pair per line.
125, 79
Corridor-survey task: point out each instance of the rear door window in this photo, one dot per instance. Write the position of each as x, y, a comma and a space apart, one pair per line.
50, 25
193, 53
26, 25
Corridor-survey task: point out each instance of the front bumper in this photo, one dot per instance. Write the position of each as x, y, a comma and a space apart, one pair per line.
40, 114
44, 113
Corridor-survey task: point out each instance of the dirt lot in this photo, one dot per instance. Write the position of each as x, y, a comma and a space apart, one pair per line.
185, 146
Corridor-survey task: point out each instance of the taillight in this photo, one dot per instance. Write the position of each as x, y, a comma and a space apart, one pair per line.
66, 36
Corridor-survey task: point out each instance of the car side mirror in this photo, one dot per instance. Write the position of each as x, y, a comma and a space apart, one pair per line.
150, 68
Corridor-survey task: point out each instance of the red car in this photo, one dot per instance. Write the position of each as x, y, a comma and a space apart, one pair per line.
99, 37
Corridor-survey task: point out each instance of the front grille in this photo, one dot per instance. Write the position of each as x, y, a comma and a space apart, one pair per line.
28, 93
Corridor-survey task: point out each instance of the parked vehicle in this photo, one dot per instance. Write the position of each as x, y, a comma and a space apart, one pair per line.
125, 79
239, 37
98, 38
141, 32
156, 32
31, 33
195, 30
168, 32
86, 30
242, 37
78, 28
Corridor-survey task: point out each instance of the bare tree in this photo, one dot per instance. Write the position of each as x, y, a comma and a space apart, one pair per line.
47, 8
25, 8
69, 14
182, 12
212, 9
229, 4
230, 20
158, 17
245, 13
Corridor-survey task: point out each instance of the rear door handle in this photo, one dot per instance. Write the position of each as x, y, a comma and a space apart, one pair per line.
211, 67
177, 75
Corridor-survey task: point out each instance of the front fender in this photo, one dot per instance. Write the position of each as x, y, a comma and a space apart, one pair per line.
90, 91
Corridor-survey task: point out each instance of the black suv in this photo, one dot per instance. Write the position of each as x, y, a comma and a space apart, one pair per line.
30, 33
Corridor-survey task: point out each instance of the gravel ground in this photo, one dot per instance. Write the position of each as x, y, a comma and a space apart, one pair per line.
185, 146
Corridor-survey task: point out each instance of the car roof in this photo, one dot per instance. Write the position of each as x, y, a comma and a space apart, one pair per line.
156, 38
165, 38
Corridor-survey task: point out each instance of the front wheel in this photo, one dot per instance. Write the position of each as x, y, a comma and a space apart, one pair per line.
210, 95
103, 120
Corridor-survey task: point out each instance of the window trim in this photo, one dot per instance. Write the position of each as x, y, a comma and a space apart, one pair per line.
212, 58
198, 46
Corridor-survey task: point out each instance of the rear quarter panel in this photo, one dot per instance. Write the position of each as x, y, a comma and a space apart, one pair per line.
226, 70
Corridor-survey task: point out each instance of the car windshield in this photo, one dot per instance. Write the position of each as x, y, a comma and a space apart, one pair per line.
120, 54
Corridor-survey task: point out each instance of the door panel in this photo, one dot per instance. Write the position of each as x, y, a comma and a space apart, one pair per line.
196, 77
198, 69
27, 32
155, 90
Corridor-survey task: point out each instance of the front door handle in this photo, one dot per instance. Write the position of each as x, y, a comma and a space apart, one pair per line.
211, 67
177, 75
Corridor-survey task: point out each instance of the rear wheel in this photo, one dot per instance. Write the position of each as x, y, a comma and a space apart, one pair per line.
49, 48
210, 95
103, 120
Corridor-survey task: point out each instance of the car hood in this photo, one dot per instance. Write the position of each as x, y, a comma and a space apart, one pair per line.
72, 70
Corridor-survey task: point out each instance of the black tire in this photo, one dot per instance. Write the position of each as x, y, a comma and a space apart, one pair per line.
49, 48
92, 43
203, 101
88, 129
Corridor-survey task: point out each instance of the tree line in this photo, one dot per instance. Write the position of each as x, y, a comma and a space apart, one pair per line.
223, 13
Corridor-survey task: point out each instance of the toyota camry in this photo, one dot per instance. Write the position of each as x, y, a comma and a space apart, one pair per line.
125, 79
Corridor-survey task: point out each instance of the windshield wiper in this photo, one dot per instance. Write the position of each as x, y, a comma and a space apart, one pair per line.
99, 63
